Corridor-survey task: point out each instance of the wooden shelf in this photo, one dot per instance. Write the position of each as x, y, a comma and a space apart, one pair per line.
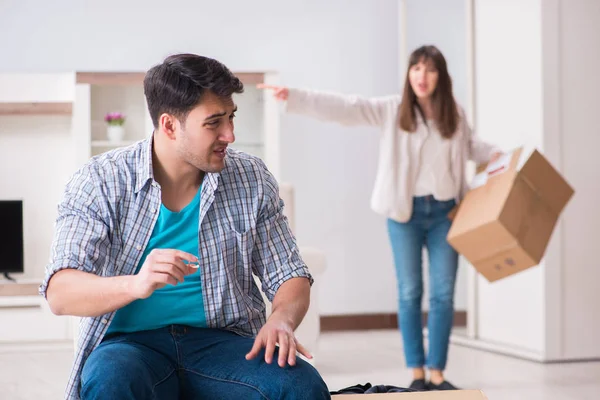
19, 289
111, 78
251, 78
107, 143
137, 78
46, 108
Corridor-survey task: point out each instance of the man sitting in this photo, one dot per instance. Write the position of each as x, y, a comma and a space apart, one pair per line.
156, 245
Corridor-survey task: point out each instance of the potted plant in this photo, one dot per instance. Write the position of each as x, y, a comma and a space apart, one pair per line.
115, 130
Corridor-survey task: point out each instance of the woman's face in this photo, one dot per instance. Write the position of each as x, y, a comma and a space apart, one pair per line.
423, 78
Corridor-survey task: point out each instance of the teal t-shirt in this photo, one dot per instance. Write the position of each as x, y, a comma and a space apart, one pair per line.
180, 304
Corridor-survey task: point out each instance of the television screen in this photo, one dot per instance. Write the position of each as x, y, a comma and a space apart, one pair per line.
11, 236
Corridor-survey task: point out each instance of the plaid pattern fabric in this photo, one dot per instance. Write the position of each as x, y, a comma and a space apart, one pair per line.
107, 214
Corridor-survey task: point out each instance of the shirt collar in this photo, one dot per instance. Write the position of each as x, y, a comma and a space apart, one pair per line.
144, 165
145, 172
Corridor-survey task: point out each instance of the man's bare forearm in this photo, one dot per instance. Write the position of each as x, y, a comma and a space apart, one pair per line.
292, 300
78, 293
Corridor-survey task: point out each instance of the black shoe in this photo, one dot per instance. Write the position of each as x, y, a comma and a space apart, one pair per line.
418, 385
442, 386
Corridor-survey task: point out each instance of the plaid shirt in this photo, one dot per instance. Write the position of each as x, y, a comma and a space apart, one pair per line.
107, 215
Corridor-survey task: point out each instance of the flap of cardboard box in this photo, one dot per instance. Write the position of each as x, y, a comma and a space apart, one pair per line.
546, 181
529, 217
440, 395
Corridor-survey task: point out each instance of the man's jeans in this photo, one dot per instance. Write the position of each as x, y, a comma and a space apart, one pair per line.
180, 362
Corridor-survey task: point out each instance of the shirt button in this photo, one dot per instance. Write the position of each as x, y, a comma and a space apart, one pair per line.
138, 247
104, 321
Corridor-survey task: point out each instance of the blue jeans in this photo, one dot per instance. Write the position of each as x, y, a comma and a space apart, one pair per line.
428, 227
180, 362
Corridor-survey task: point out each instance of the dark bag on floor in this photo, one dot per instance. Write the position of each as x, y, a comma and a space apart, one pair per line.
368, 388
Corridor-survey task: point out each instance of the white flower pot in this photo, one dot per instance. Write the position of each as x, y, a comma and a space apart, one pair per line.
115, 133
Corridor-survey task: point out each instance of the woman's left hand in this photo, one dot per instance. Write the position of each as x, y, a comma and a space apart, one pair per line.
496, 156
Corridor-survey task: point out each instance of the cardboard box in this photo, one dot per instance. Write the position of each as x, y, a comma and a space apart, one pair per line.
441, 395
504, 223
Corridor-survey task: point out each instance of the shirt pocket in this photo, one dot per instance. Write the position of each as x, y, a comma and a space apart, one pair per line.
238, 248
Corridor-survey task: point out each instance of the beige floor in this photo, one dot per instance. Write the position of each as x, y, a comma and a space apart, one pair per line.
346, 359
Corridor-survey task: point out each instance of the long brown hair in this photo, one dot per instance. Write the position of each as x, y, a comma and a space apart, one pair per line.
444, 107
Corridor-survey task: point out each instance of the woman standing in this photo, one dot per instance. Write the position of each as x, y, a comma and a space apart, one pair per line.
425, 145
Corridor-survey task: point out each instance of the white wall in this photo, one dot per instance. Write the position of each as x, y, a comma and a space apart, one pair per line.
580, 85
344, 45
508, 111
442, 23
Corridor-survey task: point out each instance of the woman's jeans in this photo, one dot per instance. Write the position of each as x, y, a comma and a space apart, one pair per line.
428, 228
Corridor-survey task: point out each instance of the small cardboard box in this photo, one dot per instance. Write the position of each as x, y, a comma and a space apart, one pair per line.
505, 221
441, 395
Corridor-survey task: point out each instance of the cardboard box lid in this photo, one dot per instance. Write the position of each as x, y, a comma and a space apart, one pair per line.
535, 168
439, 395
530, 165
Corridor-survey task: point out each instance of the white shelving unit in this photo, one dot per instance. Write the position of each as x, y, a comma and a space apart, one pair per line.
99, 144
97, 93
127, 99
35, 118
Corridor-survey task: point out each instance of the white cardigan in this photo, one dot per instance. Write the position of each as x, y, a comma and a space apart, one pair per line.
399, 151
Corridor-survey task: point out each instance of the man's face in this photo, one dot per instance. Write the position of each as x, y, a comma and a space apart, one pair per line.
208, 130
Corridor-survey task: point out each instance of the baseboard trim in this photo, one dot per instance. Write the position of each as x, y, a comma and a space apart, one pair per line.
360, 322
25, 347
514, 352
497, 348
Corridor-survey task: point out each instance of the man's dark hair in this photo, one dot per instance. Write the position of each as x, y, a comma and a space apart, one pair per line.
177, 85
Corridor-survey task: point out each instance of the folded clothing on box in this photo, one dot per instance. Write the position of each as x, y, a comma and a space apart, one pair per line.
368, 388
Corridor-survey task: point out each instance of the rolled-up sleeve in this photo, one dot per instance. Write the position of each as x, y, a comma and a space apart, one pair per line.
81, 237
349, 110
276, 257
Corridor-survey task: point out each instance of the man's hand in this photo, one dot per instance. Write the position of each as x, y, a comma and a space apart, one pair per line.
162, 267
278, 330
